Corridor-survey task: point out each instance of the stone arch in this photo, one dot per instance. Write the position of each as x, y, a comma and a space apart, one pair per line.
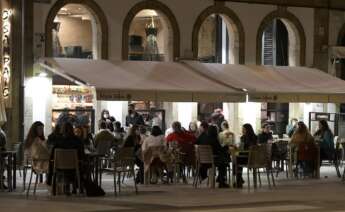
95, 10
297, 38
233, 23
165, 12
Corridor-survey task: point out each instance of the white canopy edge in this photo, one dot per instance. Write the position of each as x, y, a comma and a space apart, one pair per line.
338, 52
277, 84
142, 81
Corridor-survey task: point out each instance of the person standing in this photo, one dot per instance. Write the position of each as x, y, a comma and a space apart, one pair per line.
133, 117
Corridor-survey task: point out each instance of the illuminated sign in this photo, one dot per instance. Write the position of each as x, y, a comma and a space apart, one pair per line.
6, 51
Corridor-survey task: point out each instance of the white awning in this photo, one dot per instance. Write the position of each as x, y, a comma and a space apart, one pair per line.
338, 52
276, 84
138, 80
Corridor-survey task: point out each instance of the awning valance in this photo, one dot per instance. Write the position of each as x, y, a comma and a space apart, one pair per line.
140, 80
338, 52
276, 84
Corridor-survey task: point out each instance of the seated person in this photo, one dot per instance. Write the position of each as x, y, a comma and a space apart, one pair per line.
226, 137
220, 154
185, 141
302, 138
326, 138
104, 139
248, 139
68, 141
265, 135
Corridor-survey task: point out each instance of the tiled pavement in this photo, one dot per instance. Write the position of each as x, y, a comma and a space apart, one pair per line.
326, 194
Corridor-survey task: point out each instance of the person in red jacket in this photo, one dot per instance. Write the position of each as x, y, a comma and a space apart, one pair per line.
184, 140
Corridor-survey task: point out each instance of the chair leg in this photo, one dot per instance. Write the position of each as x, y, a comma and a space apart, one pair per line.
78, 181
27, 192
24, 178
268, 178
273, 181
248, 179
259, 176
119, 181
36, 182
115, 190
135, 183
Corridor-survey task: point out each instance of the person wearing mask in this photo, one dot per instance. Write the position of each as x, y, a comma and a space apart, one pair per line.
247, 140
133, 139
36, 146
265, 135
109, 120
226, 137
133, 117
104, 139
220, 155
326, 139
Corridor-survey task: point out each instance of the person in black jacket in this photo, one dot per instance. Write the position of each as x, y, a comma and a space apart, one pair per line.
220, 155
68, 140
248, 139
265, 135
133, 117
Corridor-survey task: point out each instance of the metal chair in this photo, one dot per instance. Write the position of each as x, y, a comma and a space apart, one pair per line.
259, 158
38, 172
280, 155
204, 156
124, 162
66, 160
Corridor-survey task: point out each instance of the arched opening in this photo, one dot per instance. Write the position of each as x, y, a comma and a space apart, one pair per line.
151, 33
76, 28
75, 33
150, 29
150, 37
340, 63
218, 40
218, 37
280, 43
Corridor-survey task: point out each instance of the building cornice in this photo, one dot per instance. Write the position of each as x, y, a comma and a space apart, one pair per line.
323, 4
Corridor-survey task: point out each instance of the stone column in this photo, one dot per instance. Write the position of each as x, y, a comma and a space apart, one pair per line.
321, 37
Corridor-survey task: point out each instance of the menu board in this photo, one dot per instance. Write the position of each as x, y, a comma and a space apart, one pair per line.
72, 97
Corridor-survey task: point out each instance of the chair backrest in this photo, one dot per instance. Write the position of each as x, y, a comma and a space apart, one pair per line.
66, 159
204, 154
259, 156
280, 150
307, 151
103, 147
125, 157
